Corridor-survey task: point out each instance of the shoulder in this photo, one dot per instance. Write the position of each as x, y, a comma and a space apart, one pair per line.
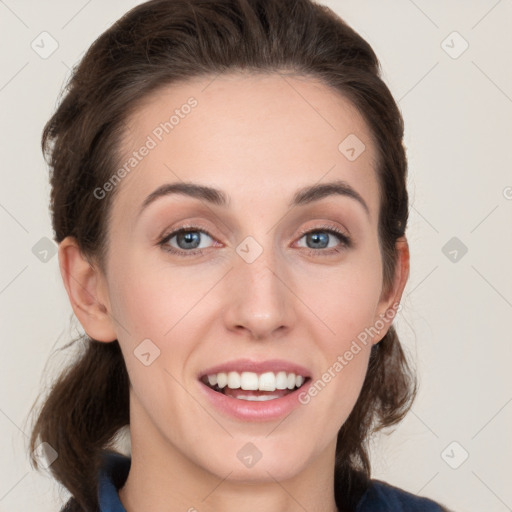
382, 497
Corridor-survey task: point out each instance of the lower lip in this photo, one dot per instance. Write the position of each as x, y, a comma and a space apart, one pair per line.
252, 410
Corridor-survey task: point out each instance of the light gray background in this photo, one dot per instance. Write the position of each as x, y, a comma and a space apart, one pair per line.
456, 317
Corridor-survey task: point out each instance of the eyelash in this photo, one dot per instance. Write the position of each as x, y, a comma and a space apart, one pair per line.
346, 241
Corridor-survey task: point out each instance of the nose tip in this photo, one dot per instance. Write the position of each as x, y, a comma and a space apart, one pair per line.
260, 325
258, 300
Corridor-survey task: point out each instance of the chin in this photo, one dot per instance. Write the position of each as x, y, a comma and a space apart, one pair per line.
250, 465
261, 473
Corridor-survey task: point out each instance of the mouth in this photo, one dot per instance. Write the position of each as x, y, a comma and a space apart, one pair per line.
252, 386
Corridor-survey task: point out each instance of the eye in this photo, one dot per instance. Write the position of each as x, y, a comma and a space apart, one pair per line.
319, 240
189, 239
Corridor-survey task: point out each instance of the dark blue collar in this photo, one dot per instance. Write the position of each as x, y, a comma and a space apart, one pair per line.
113, 475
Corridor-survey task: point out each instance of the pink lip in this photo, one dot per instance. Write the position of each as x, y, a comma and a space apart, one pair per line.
255, 411
248, 365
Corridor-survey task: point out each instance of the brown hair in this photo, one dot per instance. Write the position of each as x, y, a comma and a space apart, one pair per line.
157, 44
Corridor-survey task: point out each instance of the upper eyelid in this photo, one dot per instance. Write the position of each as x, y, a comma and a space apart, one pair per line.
319, 212
199, 227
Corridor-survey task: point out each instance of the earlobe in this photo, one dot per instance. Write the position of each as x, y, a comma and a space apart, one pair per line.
390, 304
83, 283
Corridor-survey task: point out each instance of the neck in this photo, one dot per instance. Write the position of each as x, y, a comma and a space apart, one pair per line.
167, 488
162, 478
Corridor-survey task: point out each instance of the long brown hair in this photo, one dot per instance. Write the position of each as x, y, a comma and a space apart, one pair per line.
156, 44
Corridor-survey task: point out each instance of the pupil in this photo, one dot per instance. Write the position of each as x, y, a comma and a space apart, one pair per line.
315, 238
189, 238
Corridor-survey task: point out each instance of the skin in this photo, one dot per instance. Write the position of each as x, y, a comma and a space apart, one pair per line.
258, 138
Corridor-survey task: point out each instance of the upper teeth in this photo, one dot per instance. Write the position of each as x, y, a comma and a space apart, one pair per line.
268, 381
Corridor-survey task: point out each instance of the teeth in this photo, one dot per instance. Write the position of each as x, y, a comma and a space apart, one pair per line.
250, 381
222, 380
281, 380
267, 382
260, 398
234, 380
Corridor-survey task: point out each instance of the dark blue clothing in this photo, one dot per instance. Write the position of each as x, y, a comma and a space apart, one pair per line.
379, 497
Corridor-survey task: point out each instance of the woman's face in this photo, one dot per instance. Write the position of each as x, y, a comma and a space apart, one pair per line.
261, 296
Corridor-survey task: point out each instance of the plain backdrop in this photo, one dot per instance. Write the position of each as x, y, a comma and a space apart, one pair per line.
448, 65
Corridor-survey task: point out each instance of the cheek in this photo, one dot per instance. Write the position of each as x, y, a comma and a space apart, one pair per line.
155, 304
149, 305
346, 300
346, 303
149, 301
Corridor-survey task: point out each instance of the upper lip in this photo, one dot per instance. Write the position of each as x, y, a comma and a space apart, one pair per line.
250, 365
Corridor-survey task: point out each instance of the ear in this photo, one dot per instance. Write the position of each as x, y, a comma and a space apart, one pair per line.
87, 291
389, 303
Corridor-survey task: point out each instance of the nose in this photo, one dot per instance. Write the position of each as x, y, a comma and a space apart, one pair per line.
259, 297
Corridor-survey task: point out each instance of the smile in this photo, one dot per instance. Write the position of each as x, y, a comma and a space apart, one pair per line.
251, 390
252, 386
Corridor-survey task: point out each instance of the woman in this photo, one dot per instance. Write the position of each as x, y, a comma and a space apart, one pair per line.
229, 198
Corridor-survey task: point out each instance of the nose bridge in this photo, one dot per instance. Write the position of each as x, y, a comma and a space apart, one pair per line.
259, 299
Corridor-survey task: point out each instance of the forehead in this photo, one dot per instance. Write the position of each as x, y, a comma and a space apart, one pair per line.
258, 137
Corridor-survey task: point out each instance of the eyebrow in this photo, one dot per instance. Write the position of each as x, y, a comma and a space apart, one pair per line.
217, 197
